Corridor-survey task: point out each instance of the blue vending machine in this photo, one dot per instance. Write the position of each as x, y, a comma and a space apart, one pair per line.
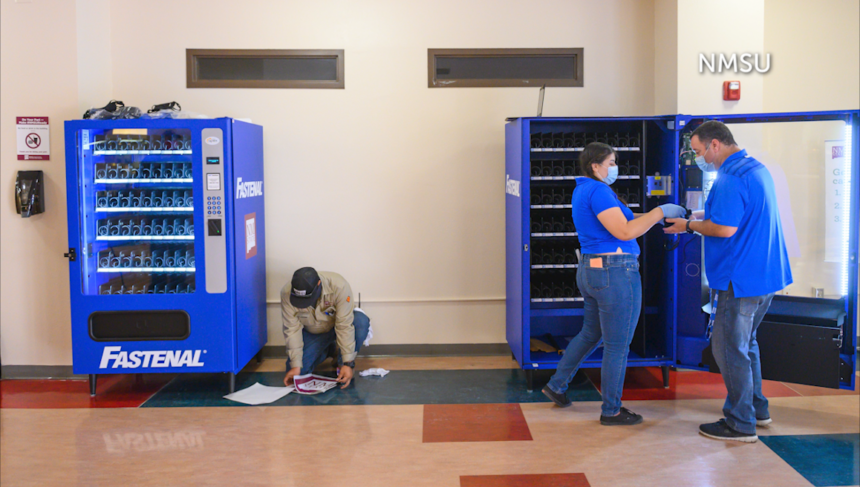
808, 336
167, 255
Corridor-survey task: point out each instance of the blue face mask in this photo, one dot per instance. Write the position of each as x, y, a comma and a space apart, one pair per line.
705, 166
612, 176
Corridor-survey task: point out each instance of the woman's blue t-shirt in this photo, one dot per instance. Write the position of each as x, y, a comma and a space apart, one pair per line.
590, 198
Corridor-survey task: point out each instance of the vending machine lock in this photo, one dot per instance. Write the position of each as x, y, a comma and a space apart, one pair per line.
71, 255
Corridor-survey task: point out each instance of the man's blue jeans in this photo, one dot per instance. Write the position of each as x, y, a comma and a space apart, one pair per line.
735, 350
316, 346
613, 301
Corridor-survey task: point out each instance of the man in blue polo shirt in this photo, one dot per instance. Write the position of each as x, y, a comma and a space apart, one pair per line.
746, 263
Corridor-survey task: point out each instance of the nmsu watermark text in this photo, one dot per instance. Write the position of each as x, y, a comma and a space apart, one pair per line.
738, 63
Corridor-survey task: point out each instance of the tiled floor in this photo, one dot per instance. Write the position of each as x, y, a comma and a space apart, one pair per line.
114, 391
533, 480
452, 421
644, 383
835, 461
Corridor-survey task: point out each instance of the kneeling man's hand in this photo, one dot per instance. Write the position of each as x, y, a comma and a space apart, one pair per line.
344, 376
288, 380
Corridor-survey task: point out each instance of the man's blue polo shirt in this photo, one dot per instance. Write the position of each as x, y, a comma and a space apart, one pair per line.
754, 260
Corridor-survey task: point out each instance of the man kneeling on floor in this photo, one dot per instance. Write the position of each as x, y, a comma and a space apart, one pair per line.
319, 314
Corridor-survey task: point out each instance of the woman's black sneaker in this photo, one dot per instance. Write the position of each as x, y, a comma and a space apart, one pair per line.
625, 418
560, 400
722, 431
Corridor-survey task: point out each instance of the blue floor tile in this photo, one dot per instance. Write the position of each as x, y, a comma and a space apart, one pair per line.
824, 460
398, 387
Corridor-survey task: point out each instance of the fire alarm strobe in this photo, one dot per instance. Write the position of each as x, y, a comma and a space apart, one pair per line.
731, 90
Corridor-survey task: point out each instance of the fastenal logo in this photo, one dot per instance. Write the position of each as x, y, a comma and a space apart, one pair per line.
512, 186
716, 64
122, 443
150, 358
248, 189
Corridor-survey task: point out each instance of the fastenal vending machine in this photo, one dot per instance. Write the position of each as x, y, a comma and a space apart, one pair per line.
167, 251
809, 334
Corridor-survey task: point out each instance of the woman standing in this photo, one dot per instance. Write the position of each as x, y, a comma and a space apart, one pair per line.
608, 278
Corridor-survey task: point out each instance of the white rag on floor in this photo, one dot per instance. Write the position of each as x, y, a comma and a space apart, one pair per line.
374, 371
369, 327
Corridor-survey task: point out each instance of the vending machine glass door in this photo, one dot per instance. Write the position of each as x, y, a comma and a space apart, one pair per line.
809, 333
137, 211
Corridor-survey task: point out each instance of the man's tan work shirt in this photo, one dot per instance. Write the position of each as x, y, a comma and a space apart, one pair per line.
333, 310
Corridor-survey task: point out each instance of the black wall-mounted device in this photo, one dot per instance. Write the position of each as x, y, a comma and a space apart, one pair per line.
30, 193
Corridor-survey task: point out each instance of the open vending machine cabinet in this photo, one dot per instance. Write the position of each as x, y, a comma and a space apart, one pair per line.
809, 334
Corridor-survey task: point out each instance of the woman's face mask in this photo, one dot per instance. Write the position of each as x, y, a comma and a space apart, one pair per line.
703, 165
611, 173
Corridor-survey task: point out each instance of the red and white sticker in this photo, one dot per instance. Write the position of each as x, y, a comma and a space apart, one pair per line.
313, 384
250, 235
34, 138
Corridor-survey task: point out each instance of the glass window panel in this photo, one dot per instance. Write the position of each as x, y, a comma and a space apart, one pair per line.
137, 212
508, 67
810, 195
265, 68
505, 67
259, 68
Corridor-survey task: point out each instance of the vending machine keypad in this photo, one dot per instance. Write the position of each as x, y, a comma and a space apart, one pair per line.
214, 210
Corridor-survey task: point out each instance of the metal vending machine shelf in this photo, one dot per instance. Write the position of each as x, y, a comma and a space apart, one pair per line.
804, 340
161, 240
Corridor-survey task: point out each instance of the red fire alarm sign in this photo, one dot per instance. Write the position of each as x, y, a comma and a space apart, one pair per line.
731, 90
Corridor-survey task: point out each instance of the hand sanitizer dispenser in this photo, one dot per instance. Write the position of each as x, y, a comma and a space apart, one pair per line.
30, 193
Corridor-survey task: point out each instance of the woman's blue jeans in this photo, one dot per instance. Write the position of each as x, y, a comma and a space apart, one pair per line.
612, 290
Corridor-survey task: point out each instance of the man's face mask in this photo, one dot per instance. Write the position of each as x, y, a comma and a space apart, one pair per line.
705, 166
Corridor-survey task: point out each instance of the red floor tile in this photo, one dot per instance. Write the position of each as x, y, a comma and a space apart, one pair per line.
646, 383
474, 422
114, 391
537, 480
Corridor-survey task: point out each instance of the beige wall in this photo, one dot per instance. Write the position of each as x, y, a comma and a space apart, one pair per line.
394, 185
95, 78
812, 72
38, 78
665, 57
816, 47
706, 27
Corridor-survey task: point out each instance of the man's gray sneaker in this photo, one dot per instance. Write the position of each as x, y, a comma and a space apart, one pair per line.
722, 431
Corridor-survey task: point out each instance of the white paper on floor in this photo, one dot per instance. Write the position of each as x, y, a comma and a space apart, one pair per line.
313, 384
259, 394
374, 371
